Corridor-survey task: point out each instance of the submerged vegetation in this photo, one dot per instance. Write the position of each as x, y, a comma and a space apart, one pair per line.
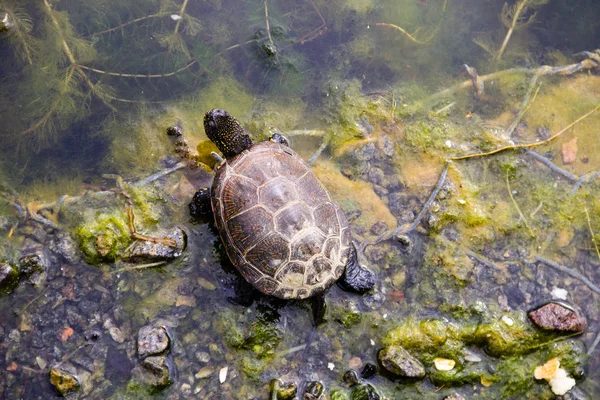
468, 102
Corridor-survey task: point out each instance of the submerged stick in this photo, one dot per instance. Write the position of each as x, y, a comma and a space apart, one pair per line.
517, 206
589, 223
133, 21
551, 165
138, 267
569, 271
585, 178
181, 14
528, 145
485, 261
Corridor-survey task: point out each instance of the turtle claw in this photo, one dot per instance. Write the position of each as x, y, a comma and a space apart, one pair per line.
356, 278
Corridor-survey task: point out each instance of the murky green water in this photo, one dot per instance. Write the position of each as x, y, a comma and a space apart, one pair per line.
381, 97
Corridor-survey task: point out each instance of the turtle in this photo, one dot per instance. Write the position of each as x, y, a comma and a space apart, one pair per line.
279, 225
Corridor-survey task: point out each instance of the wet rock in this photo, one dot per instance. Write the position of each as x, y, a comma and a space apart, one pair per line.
558, 316
350, 378
283, 391
314, 391
8, 277
118, 366
64, 380
398, 361
152, 340
569, 151
454, 397
200, 205
65, 246
368, 371
34, 263
365, 392
143, 251
156, 372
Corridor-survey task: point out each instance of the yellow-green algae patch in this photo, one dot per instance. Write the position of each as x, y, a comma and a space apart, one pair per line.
354, 195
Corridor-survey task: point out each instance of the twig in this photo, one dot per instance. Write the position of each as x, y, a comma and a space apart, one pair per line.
589, 223
321, 148
269, 32
585, 178
483, 260
551, 165
408, 35
160, 14
315, 33
571, 272
517, 206
594, 344
160, 174
181, 14
526, 104
138, 267
99, 71
519, 8
529, 145
400, 229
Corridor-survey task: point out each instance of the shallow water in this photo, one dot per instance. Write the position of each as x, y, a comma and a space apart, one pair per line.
89, 88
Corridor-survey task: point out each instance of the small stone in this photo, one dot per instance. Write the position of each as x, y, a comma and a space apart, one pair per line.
569, 151
8, 276
116, 334
350, 378
455, 396
314, 390
12, 367
558, 317
223, 374
146, 250
398, 361
365, 392
204, 372
560, 382
206, 284
547, 370
330, 366
559, 293
443, 364
188, 301
41, 362
65, 382
355, 363
152, 340
186, 388
508, 320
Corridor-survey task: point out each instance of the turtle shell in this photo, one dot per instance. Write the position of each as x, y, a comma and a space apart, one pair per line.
279, 225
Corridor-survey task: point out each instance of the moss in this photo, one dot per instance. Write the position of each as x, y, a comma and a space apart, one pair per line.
103, 238
339, 394
253, 368
261, 338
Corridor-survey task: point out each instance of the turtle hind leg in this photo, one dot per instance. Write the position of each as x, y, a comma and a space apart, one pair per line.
200, 205
356, 278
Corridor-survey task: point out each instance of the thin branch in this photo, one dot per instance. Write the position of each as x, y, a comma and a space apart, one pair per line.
529, 145
585, 178
589, 223
138, 267
269, 32
157, 15
571, 272
99, 71
526, 104
517, 206
408, 35
551, 165
181, 14
483, 260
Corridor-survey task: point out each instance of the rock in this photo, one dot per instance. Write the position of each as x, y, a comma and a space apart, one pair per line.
146, 250
350, 378
454, 397
368, 371
200, 205
152, 340
155, 372
34, 262
365, 392
569, 151
64, 380
283, 391
8, 277
558, 316
314, 391
398, 361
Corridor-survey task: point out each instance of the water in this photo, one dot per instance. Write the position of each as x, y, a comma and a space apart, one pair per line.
89, 88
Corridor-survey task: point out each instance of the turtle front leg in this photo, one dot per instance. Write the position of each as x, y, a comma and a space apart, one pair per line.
356, 278
200, 205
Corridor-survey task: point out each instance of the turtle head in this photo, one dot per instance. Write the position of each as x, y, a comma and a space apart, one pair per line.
226, 132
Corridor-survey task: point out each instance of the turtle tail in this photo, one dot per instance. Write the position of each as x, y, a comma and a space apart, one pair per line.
356, 278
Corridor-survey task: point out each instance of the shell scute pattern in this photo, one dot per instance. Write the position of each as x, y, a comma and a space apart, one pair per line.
284, 234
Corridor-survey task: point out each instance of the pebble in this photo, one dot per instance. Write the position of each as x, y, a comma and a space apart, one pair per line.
398, 361
558, 317
444, 364
355, 363
223, 374
204, 372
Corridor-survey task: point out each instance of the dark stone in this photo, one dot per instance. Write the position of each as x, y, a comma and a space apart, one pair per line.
543, 132
365, 392
350, 378
200, 205
87, 307
143, 250
314, 391
368, 371
559, 317
515, 296
34, 262
152, 340
118, 366
398, 361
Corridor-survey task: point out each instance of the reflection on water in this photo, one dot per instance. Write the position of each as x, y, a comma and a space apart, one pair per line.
378, 96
